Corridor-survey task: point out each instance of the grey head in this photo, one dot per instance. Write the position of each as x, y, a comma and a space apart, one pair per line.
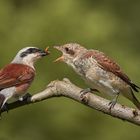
29, 55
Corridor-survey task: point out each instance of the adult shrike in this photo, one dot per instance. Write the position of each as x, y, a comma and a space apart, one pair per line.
16, 77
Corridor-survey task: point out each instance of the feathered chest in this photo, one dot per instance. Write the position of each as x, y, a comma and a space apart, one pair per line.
81, 66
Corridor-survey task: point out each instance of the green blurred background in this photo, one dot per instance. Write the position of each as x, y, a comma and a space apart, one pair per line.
112, 26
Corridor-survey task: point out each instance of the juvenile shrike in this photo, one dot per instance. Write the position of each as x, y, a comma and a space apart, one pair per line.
16, 77
99, 71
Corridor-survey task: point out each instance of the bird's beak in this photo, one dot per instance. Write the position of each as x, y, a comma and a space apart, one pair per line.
59, 48
45, 52
61, 58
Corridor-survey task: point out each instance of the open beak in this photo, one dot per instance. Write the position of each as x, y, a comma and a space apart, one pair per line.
61, 58
58, 47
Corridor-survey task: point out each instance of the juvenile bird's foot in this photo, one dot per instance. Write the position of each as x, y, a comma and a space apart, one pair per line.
113, 102
84, 98
84, 92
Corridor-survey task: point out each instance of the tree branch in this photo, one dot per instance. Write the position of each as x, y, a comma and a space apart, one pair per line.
67, 89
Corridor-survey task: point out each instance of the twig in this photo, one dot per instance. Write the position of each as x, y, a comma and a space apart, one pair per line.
67, 89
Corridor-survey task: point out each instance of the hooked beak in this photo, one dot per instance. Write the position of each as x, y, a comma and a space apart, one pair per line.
44, 53
61, 58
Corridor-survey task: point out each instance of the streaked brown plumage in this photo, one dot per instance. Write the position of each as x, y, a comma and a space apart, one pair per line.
108, 64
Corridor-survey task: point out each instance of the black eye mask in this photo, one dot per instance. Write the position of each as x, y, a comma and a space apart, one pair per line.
30, 51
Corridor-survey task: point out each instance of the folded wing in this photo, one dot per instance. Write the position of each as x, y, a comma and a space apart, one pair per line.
109, 65
15, 74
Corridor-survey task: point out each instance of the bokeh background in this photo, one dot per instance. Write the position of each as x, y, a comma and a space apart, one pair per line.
111, 26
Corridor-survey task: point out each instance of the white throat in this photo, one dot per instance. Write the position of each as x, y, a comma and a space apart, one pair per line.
27, 60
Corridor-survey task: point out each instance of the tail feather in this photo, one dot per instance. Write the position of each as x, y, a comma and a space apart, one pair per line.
130, 95
2, 99
134, 87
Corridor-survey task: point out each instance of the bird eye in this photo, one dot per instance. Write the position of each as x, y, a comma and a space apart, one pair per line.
69, 51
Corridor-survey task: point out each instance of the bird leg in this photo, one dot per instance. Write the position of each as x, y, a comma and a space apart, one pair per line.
25, 97
113, 102
5, 107
83, 93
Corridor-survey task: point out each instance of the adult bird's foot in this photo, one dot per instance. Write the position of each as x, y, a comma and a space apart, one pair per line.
25, 97
4, 108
